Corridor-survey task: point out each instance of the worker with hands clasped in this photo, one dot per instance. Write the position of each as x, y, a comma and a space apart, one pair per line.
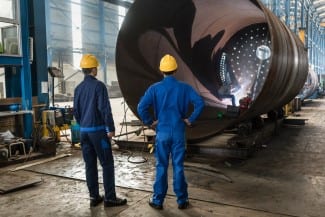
170, 100
92, 110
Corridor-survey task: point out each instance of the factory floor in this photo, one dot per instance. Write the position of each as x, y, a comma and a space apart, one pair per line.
284, 177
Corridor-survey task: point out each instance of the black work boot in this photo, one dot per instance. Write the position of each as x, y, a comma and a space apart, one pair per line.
95, 201
155, 206
115, 202
184, 205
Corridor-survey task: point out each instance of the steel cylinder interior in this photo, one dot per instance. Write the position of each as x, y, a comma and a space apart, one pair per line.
225, 49
244, 64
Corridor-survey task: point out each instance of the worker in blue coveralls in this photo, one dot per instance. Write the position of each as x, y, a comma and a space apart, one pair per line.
92, 110
170, 100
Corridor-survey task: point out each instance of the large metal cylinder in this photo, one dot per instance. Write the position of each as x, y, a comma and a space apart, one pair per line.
311, 85
225, 49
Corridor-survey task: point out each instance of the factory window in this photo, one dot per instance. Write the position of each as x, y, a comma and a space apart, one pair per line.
9, 28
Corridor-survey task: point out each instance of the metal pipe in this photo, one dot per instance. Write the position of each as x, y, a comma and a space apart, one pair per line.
225, 49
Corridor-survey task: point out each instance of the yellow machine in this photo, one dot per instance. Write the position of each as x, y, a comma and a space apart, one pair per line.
288, 108
49, 118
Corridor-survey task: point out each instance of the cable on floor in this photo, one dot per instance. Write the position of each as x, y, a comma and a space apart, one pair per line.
131, 153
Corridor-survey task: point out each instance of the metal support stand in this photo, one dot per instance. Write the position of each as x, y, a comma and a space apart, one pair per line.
15, 144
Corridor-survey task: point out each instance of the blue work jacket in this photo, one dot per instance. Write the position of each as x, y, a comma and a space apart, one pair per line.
91, 106
170, 100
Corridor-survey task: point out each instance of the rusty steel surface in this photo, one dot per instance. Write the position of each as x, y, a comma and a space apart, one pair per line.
226, 49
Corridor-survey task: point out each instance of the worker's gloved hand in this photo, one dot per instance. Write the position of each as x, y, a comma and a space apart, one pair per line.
110, 134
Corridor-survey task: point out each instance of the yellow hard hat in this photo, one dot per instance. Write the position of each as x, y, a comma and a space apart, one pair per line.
88, 61
168, 63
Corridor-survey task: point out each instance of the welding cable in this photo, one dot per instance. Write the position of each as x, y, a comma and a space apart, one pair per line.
143, 148
130, 153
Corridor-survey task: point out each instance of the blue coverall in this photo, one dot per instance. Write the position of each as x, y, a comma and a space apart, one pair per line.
92, 111
170, 100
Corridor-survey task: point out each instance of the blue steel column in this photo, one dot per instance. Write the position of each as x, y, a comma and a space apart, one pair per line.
40, 44
287, 13
313, 29
296, 17
25, 70
323, 52
308, 33
48, 35
275, 8
302, 9
317, 53
310, 36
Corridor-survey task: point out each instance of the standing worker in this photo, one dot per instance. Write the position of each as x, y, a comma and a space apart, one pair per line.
170, 100
92, 110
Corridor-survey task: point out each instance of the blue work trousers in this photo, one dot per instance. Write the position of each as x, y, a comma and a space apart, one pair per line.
170, 144
97, 144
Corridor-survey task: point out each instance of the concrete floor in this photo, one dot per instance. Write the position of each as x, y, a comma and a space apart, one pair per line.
285, 178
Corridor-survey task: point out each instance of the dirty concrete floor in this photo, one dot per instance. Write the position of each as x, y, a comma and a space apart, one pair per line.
284, 178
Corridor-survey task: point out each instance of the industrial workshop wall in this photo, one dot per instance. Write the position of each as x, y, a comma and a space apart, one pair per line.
76, 27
